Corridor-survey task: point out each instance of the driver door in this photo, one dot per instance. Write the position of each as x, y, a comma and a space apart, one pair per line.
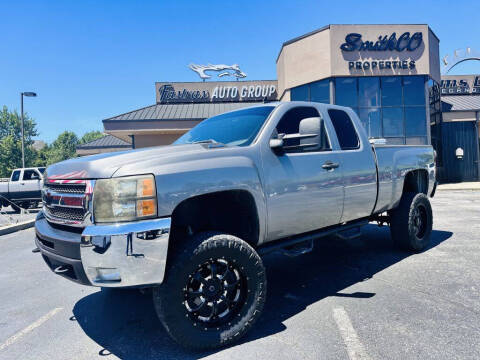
302, 195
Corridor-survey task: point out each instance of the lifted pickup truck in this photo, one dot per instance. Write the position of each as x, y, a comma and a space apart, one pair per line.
23, 189
193, 219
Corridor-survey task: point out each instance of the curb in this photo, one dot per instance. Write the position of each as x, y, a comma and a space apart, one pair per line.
457, 189
16, 227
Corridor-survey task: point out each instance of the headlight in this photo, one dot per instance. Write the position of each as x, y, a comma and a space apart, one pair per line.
124, 199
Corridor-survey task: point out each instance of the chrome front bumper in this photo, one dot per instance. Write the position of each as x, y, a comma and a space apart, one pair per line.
117, 255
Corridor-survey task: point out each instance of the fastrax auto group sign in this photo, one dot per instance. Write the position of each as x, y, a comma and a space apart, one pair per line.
221, 91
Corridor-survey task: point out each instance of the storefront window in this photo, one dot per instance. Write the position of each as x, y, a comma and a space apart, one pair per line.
371, 121
369, 92
415, 121
346, 92
391, 91
393, 122
320, 91
413, 90
299, 93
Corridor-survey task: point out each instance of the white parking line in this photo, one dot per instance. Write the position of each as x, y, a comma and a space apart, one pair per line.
29, 328
355, 348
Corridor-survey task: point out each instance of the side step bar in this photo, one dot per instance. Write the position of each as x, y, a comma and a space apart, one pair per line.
346, 231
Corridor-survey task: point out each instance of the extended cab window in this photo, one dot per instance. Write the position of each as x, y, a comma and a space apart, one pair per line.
290, 124
346, 133
16, 175
30, 175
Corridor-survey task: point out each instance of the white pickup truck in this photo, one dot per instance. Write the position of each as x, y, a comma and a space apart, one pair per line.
23, 189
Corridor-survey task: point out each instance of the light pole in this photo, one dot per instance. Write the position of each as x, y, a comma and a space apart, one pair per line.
27, 93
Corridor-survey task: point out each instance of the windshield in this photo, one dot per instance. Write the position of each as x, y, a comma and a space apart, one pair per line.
238, 128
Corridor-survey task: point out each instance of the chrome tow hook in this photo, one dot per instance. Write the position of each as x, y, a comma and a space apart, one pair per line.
60, 269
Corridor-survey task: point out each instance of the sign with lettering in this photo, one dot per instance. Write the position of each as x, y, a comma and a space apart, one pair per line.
221, 91
460, 85
354, 42
387, 52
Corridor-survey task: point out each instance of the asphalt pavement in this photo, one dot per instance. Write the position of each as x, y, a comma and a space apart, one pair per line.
355, 299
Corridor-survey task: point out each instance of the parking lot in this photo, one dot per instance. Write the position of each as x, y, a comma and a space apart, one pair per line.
355, 299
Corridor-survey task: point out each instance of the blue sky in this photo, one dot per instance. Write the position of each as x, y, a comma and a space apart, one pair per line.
89, 60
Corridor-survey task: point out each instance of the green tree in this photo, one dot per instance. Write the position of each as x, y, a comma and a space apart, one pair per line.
11, 141
62, 148
90, 136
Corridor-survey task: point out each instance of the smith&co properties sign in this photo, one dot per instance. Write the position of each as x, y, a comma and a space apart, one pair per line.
385, 44
216, 91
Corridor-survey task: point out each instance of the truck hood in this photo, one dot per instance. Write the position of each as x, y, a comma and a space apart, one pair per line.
105, 165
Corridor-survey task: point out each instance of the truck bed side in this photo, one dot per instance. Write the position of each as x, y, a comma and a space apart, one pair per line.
394, 162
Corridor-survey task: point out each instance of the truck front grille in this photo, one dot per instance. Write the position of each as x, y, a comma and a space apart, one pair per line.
66, 202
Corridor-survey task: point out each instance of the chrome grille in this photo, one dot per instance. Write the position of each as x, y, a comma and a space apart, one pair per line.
67, 202
67, 189
66, 213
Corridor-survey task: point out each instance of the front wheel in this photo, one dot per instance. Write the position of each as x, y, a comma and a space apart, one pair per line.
214, 291
411, 222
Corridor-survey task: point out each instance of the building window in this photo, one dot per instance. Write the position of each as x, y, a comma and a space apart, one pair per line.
318, 91
391, 91
392, 120
415, 121
346, 93
371, 120
413, 90
300, 93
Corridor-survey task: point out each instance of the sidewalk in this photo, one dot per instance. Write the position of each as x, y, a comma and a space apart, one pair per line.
460, 186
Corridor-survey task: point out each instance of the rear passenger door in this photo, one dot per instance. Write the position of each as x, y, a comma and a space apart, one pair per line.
357, 165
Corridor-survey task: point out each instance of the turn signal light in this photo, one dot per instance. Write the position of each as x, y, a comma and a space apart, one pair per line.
146, 207
146, 187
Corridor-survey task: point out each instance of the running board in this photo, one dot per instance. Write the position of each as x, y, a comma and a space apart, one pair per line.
285, 244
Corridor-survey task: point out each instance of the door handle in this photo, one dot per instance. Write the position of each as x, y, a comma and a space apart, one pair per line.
22, 183
329, 165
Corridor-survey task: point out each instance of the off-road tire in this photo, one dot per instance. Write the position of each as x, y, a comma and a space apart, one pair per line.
405, 229
169, 298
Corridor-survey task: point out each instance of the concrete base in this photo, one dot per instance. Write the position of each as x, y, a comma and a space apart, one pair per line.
16, 227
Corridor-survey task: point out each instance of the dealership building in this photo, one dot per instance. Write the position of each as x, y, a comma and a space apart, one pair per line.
389, 74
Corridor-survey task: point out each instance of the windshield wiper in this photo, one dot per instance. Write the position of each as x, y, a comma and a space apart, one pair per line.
209, 141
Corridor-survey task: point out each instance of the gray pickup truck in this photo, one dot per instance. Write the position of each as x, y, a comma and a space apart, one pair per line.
193, 220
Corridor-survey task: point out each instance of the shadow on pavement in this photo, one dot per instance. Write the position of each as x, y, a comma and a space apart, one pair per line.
125, 324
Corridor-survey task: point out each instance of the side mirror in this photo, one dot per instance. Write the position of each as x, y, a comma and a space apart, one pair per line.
276, 144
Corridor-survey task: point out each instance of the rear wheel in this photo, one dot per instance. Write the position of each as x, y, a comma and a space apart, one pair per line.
213, 293
411, 222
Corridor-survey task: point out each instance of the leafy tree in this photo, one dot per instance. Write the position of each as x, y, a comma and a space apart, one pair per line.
90, 136
62, 148
11, 141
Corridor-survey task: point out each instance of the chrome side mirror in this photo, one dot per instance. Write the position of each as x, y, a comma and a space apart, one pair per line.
276, 144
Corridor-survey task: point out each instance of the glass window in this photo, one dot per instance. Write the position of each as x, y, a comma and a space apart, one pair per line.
236, 128
415, 121
393, 121
320, 91
30, 175
346, 133
299, 93
413, 90
346, 92
391, 91
16, 175
369, 91
290, 122
370, 118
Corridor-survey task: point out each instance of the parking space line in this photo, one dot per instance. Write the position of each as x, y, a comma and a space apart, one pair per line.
355, 349
29, 328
